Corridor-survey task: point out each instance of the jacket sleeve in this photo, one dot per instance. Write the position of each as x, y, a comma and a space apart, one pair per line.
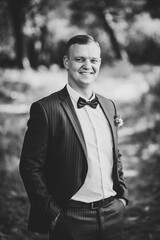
123, 187
123, 191
32, 163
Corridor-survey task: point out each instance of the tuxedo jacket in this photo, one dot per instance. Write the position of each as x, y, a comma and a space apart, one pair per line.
53, 162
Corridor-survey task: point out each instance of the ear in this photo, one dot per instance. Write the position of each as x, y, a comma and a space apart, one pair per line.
65, 62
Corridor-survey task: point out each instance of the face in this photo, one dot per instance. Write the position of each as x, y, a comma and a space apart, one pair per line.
83, 64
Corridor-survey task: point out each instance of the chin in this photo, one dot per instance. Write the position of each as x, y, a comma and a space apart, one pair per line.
87, 81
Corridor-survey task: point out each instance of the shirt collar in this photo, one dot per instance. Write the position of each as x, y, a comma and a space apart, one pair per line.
75, 95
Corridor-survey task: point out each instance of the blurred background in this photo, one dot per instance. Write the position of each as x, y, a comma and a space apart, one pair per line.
33, 34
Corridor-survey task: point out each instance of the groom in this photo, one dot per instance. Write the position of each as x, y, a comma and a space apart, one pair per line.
70, 163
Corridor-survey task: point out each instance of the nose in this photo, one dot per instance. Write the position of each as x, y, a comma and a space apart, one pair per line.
87, 64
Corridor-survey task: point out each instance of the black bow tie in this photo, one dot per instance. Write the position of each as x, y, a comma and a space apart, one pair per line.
82, 102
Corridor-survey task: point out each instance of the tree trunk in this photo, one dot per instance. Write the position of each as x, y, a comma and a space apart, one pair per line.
109, 30
16, 10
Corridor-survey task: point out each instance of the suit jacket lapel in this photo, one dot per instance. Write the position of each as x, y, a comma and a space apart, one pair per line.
70, 111
109, 115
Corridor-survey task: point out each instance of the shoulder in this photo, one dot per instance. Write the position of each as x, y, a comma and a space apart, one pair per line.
50, 100
48, 104
110, 103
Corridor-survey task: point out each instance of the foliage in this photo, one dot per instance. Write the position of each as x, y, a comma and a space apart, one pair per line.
143, 40
34, 32
153, 7
97, 15
6, 36
151, 102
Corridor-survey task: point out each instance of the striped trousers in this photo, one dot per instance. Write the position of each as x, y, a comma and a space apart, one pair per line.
104, 223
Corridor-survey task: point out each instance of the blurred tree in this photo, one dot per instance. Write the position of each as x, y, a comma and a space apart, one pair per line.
17, 11
35, 19
38, 38
6, 40
29, 20
142, 34
153, 7
97, 12
143, 45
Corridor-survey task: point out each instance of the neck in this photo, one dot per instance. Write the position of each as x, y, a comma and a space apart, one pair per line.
85, 92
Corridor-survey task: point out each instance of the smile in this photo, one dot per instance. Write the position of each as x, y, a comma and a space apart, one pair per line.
86, 73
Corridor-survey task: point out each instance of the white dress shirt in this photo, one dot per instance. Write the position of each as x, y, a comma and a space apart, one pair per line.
97, 134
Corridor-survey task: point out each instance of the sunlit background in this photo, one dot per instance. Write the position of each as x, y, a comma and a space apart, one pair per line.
33, 34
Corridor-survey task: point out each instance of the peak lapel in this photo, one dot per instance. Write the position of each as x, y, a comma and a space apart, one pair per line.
70, 111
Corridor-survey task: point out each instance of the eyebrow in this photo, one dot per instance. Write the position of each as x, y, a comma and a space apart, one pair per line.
87, 58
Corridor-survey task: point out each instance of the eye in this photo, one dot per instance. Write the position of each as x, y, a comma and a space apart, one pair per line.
79, 59
94, 61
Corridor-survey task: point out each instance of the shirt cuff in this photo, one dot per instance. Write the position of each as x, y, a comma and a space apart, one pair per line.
53, 223
124, 201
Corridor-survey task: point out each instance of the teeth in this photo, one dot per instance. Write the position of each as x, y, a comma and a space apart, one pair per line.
86, 73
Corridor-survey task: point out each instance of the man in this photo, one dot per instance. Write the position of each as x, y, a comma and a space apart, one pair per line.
70, 163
